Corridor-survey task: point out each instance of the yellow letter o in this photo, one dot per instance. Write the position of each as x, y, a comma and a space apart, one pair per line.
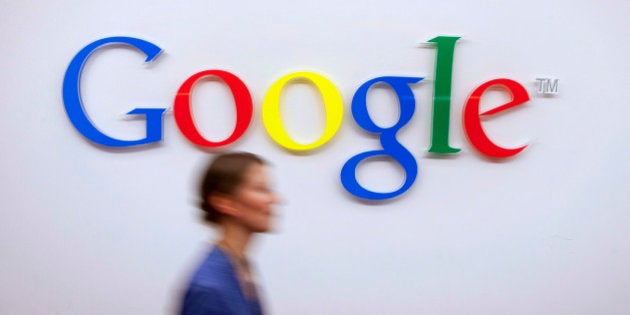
333, 105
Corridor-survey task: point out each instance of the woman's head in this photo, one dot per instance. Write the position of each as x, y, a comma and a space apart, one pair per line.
236, 188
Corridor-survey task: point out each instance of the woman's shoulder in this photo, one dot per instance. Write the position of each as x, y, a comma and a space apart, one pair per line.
214, 288
214, 271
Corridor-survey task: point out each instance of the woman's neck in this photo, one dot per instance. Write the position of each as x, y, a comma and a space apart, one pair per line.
235, 239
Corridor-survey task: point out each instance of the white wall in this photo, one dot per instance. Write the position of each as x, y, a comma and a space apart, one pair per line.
86, 230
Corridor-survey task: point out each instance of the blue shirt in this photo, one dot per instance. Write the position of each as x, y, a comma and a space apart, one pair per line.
215, 289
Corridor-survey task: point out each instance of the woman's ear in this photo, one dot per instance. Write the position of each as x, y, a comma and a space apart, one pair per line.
223, 203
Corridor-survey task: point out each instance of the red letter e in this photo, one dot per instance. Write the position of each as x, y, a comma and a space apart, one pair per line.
472, 121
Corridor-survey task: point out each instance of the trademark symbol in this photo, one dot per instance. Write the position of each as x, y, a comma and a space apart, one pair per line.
547, 86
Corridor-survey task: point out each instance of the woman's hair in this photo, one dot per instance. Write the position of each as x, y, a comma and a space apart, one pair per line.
224, 174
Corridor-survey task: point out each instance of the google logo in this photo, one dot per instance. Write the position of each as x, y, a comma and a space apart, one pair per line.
333, 104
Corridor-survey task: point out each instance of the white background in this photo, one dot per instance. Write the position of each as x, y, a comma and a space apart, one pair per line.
90, 230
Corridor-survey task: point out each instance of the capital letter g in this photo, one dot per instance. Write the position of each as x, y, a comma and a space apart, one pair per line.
74, 105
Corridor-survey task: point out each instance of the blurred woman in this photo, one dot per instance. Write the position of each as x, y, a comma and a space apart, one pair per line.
235, 195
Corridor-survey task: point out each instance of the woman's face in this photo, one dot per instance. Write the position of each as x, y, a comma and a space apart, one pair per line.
254, 199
